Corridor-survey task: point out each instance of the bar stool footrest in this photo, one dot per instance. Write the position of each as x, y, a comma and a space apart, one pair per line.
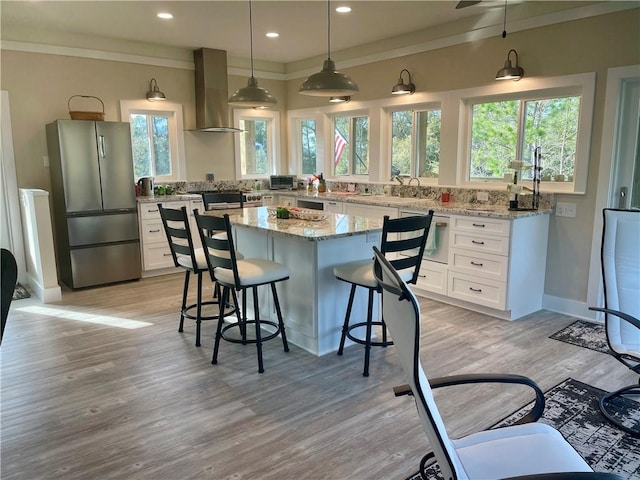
239, 339
186, 314
362, 341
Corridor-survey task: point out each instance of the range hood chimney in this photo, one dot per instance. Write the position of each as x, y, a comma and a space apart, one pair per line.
212, 110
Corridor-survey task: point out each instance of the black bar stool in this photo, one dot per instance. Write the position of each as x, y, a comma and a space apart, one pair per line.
404, 238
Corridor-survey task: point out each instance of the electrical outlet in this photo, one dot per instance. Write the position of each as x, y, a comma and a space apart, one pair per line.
482, 196
565, 209
45, 160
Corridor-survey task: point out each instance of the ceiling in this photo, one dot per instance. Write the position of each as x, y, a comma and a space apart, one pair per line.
225, 24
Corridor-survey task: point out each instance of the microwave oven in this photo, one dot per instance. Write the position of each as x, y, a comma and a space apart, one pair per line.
283, 182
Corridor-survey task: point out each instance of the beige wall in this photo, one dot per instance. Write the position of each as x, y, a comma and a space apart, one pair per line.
39, 86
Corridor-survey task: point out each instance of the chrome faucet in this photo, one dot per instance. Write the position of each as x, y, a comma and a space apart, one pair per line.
398, 178
414, 178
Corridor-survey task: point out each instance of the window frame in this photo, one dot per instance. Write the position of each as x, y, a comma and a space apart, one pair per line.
296, 143
173, 111
330, 142
273, 140
582, 85
414, 108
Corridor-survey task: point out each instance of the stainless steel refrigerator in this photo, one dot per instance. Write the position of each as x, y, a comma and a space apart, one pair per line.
94, 202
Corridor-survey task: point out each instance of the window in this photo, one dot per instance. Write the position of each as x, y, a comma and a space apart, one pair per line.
307, 146
351, 145
504, 131
415, 143
151, 145
256, 150
156, 139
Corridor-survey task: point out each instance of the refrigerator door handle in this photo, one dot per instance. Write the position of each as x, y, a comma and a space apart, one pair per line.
102, 149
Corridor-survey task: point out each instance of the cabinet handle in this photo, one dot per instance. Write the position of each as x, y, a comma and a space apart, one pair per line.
481, 225
422, 276
476, 264
166, 254
477, 290
154, 231
477, 242
152, 211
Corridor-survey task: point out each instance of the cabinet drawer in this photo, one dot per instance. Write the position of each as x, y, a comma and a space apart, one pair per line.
157, 256
481, 264
433, 277
476, 290
480, 243
488, 226
193, 204
149, 211
153, 232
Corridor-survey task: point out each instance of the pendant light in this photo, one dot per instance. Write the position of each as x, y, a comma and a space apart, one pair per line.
328, 82
252, 95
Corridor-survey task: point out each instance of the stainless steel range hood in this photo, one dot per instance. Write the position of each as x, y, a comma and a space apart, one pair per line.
212, 110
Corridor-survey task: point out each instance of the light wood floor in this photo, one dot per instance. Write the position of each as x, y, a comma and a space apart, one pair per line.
84, 398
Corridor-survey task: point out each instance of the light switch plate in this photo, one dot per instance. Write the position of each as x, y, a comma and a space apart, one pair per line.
45, 160
564, 209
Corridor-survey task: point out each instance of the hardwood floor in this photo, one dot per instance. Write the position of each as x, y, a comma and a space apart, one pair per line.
83, 397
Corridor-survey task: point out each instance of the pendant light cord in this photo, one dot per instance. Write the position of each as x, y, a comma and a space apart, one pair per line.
329, 29
251, 36
504, 26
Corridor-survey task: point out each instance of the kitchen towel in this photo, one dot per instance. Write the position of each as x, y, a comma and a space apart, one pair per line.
432, 241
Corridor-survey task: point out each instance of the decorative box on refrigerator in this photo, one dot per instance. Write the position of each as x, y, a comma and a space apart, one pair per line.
94, 203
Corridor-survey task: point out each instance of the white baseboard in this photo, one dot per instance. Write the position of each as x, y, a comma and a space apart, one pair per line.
45, 294
567, 306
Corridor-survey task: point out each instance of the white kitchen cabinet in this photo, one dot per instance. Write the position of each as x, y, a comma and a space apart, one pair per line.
285, 200
156, 254
333, 206
498, 264
371, 211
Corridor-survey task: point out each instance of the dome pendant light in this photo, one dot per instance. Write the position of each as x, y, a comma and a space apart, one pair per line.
328, 82
252, 95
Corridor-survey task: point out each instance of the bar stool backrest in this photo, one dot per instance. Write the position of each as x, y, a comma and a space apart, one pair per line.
218, 248
176, 227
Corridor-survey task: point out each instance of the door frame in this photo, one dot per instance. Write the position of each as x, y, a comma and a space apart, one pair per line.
9, 190
607, 164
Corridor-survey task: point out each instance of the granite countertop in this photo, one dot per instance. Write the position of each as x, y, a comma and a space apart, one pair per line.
403, 203
335, 225
168, 198
423, 204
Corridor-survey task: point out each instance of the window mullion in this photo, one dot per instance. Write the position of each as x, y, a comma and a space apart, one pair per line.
415, 138
521, 125
152, 145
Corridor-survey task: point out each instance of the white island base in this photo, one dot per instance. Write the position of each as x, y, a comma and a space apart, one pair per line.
312, 300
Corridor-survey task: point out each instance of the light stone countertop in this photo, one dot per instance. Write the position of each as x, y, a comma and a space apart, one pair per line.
422, 204
335, 225
168, 198
403, 203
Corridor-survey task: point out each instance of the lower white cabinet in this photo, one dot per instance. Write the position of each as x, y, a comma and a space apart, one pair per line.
498, 264
156, 254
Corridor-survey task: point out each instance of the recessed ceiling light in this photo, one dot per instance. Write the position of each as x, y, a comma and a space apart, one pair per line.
273, 34
343, 9
165, 16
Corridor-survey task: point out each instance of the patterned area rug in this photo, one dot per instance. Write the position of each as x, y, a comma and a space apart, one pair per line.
572, 408
584, 334
20, 292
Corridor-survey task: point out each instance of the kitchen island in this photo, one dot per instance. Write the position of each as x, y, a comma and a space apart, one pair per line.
313, 301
